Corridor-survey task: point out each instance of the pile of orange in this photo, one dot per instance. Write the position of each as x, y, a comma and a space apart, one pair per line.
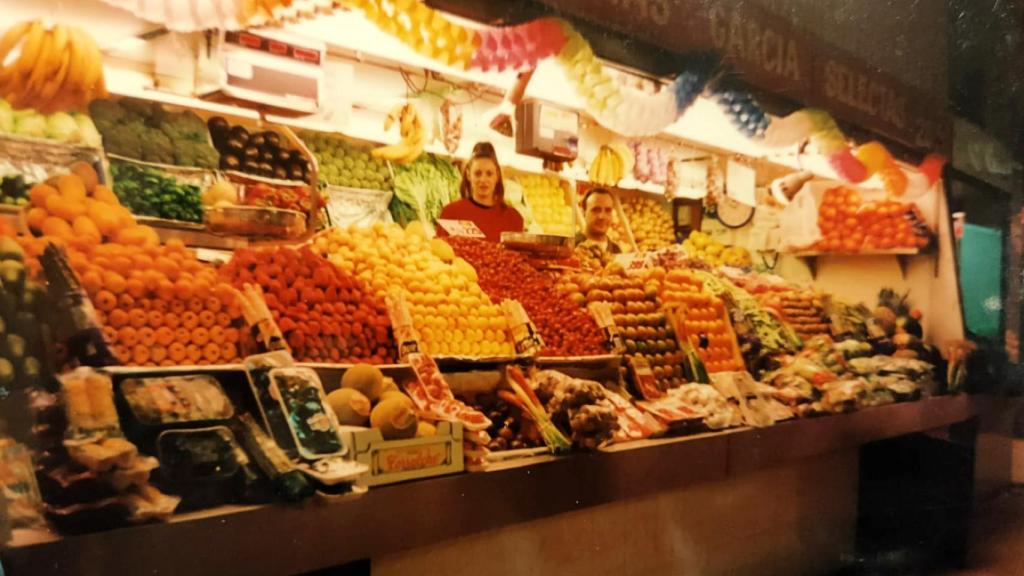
158, 305
77, 209
850, 225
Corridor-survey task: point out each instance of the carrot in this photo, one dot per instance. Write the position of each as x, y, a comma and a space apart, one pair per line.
196, 305
140, 355
207, 319
164, 336
200, 336
211, 352
176, 352
137, 318
183, 335
127, 336
147, 336
172, 320
193, 353
105, 301
189, 320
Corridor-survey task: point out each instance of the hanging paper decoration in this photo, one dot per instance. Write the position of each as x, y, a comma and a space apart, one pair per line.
427, 31
518, 47
847, 167
932, 166
623, 110
877, 160
741, 108
874, 156
792, 129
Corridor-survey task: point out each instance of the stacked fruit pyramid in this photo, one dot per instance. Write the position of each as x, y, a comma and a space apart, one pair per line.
704, 321
547, 198
450, 312
324, 313
565, 328
158, 304
645, 330
650, 222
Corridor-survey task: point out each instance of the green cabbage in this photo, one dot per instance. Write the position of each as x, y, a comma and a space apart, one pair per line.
29, 123
62, 127
89, 135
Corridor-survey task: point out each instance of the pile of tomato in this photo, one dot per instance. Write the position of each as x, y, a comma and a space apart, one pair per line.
325, 314
848, 224
567, 330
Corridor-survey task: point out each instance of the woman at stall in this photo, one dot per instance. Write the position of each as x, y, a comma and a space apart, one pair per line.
482, 199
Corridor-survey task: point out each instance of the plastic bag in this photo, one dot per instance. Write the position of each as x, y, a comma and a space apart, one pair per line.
357, 207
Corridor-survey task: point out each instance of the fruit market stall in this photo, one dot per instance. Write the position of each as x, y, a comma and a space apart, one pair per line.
783, 289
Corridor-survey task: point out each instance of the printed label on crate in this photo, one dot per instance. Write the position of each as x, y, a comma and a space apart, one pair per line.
643, 378
401, 324
408, 458
602, 314
466, 228
524, 334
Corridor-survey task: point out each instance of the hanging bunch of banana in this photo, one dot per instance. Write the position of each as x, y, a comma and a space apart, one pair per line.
50, 69
610, 165
413, 133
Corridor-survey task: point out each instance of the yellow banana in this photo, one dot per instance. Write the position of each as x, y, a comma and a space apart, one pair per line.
30, 48
77, 65
50, 88
50, 57
92, 84
11, 38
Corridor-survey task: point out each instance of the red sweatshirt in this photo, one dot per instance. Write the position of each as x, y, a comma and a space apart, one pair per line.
492, 221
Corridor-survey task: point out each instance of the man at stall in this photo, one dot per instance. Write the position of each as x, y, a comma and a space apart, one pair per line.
483, 197
598, 207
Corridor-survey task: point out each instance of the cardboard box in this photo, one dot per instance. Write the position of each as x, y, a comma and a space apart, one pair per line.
393, 461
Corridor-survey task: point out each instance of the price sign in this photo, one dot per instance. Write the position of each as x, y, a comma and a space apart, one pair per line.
466, 228
602, 314
524, 334
401, 324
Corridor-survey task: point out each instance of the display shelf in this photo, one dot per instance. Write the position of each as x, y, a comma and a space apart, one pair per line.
810, 257
318, 535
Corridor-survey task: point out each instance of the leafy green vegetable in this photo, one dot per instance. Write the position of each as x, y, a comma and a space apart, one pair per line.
426, 185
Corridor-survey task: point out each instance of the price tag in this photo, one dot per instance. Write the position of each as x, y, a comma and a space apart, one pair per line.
401, 324
466, 228
524, 334
602, 314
